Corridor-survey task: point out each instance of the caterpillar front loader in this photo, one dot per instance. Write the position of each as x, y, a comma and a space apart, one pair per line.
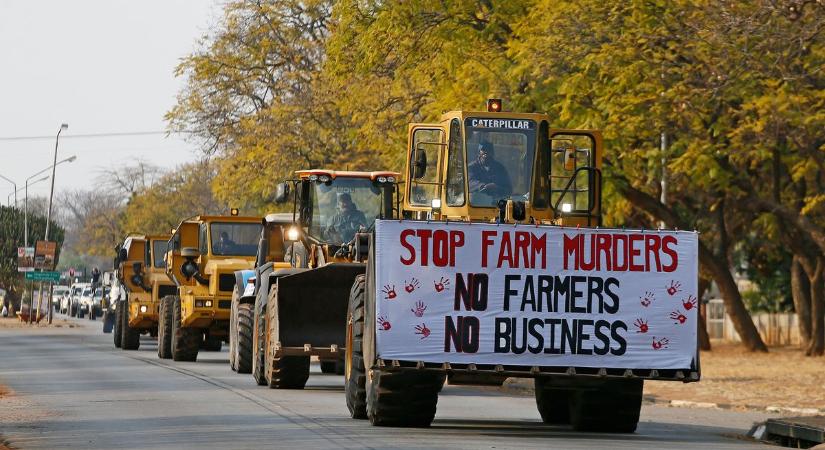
141, 269
203, 255
300, 311
486, 280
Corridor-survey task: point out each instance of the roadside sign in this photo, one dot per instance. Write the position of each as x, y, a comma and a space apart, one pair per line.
52, 277
25, 259
44, 253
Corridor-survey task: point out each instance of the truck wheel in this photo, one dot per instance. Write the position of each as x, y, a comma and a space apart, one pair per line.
108, 321
165, 328
130, 336
258, 346
117, 325
553, 403
233, 330
284, 372
355, 378
243, 345
211, 343
406, 398
185, 341
612, 407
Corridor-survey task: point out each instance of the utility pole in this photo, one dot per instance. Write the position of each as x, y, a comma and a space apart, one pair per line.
63, 126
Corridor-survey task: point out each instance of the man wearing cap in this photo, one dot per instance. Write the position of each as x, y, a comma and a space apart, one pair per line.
489, 176
347, 221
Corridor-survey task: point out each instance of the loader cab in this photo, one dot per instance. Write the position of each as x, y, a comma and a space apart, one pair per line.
130, 263
502, 166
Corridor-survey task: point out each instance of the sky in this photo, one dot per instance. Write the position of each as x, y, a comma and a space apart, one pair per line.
102, 67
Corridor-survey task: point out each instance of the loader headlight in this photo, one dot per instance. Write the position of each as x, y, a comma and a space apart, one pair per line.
313, 178
436, 203
293, 234
382, 179
566, 207
203, 303
143, 308
391, 179
323, 178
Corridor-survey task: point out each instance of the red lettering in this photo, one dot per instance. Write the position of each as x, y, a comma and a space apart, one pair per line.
571, 248
425, 235
486, 242
539, 246
652, 246
441, 253
505, 250
404, 235
583, 252
603, 246
623, 253
522, 244
634, 252
667, 241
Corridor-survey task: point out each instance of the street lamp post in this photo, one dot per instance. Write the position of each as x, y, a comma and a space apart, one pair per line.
15, 190
63, 126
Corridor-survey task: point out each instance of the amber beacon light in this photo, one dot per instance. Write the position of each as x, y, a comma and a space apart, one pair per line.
494, 105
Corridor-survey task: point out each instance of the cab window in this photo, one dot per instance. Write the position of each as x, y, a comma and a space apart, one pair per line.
424, 155
455, 166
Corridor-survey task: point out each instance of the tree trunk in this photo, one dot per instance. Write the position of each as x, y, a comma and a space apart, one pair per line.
715, 266
817, 344
704, 338
801, 293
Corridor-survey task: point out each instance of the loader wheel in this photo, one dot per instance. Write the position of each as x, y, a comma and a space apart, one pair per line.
185, 341
258, 347
233, 330
405, 398
612, 407
130, 336
165, 328
553, 403
118, 324
108, 321
283, 372
355, 378
211, 343
243, 346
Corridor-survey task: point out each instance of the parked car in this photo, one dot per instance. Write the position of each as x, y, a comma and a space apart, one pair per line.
69, 306
86, 301
58, 293
100, 298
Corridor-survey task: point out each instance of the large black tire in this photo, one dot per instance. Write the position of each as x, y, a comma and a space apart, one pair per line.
405, 398
117, 334
259, 347
612, 407
185, 341
243, 348
233, 330
211, 343
165, 328
553, 403
130, 336
282, 372
355, 377
108, 321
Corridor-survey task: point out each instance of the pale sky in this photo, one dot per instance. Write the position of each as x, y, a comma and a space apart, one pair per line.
102, 66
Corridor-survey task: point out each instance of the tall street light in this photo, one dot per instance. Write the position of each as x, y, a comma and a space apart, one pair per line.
63, 126
15, 190
8, 198
26, 201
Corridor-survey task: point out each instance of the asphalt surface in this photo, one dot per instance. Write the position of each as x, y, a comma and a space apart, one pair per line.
70, 388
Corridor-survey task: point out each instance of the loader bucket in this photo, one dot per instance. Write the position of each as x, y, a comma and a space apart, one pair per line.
312, 305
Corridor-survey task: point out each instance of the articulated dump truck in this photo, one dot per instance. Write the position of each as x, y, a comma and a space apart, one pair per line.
139, 267
501, 269
300, 311
203, 255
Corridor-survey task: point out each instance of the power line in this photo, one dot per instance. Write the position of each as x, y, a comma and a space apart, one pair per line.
87, 136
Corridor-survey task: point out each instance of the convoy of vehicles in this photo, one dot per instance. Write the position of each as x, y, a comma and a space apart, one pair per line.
353, 274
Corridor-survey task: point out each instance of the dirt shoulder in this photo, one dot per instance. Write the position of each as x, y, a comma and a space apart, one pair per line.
784, 380
14, 322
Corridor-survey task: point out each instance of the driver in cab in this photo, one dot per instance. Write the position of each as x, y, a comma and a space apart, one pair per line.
488, 176
347, 221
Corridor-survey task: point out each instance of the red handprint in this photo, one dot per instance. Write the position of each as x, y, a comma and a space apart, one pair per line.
678, 317
411, 286
689, 303
422, 330
385, 324
419, 309
442, 284
675, 286
641, 324
660, 344
389, 292
647, 299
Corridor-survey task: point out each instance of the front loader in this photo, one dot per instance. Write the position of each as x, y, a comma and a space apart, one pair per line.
300, 311
501, 269
203, 255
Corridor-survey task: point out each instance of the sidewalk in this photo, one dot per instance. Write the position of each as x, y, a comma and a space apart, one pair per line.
783, 381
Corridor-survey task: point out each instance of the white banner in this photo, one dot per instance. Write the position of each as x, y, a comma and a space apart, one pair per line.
535, 296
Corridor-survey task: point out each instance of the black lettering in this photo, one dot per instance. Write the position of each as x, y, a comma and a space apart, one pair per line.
576, 294
552, 349
502, 343
561, 287
583, 337
451, 334
509, 292
568, 337
545, 290
528, 297
535, 326
614, 307
614, 332
602, 337
516, 348
594, 289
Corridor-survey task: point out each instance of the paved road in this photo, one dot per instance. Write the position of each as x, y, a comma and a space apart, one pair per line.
72, 389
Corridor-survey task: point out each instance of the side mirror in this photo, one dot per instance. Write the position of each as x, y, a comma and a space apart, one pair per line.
122, 254
420, 166
570, 159
281, 193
